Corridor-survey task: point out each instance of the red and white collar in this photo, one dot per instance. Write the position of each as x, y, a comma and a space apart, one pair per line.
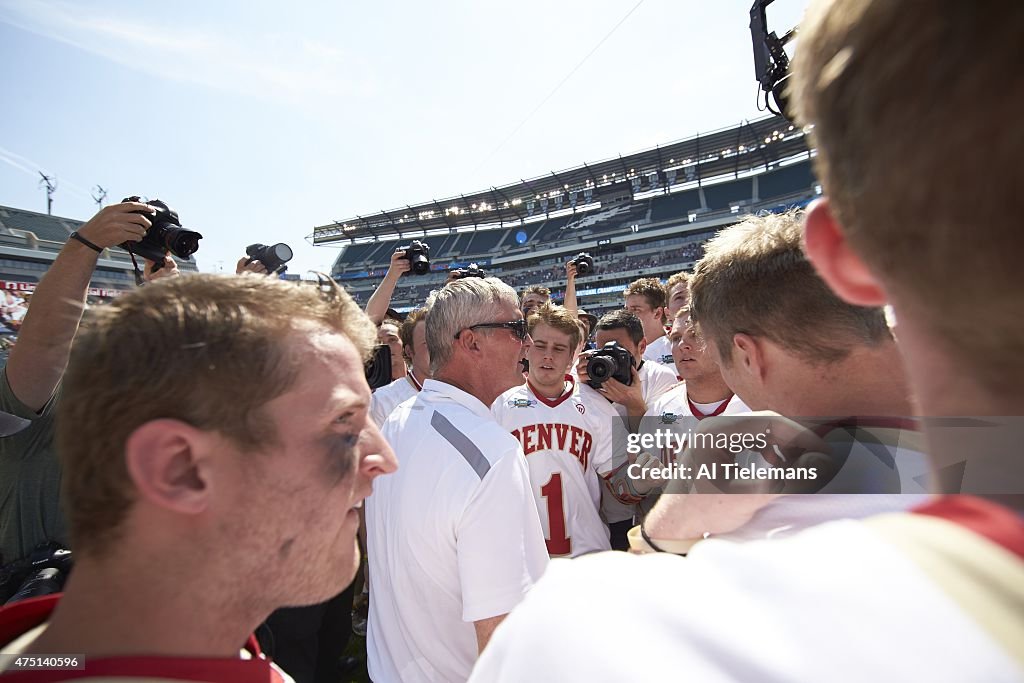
554, 402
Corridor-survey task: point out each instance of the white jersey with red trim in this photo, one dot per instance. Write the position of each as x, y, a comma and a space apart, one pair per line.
675, 411
567, 442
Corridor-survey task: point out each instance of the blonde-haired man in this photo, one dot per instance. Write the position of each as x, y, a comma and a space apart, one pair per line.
565, 431
911, 104
215, 447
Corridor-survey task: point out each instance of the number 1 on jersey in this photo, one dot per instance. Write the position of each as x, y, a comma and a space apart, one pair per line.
557, 541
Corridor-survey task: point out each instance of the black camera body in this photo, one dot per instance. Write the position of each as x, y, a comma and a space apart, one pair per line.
611, 361
418, 255
473, 270
165, 235
378, 367
584, 263
273, 257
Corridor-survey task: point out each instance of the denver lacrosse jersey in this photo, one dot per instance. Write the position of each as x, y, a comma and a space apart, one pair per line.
568, 446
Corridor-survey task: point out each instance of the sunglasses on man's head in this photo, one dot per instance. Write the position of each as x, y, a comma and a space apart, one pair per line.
518, 328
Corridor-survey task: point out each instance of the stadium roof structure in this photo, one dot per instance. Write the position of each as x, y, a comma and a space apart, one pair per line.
743, 149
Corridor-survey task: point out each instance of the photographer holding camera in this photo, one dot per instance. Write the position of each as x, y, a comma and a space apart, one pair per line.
377, 306
648, 382
30, 382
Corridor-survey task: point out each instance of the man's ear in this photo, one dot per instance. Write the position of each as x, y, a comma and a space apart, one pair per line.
641, 347
468, 340
749, 355
165, 460
835, 261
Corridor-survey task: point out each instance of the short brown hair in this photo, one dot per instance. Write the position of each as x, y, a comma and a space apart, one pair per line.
651, 289
914, 108
680, 278
203, 349
408, 326
560, 319
536, 289
621, 319
755, 279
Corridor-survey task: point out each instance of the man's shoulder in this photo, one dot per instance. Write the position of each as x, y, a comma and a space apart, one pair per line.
462, 428
396, 389
514, 397
673, 401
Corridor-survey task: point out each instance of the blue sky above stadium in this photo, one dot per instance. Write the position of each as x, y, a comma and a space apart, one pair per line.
259, 120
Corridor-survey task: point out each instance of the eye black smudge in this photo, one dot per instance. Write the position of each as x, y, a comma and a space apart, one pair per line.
340, 456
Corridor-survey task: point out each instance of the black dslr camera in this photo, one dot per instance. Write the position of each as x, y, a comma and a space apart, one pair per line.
273, 257
584, 263
378, 367
164, 235
418, 256
473, 270
611, 361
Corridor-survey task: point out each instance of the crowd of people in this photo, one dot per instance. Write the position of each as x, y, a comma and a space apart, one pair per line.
770, 446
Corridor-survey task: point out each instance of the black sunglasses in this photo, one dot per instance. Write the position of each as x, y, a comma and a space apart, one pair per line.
518, 328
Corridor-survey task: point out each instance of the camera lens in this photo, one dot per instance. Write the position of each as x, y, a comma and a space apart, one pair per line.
600, 368
282, 252
182, 243
420, 264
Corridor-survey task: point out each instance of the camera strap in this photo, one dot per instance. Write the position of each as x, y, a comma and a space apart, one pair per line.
139, 279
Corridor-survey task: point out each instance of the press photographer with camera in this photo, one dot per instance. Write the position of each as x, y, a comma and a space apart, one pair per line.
648, 381
413, 258
30, 382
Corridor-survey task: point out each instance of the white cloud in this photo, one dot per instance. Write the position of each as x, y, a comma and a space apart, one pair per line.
269, 67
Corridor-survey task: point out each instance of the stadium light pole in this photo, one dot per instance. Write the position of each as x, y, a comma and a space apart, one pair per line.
100, 195
51, 187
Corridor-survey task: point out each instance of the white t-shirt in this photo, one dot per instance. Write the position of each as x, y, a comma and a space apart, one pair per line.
453, 536
847, 601
660, 351
655, 380
389, 397
567, 443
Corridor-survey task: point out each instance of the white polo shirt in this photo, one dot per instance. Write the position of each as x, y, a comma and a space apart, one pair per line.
453, 536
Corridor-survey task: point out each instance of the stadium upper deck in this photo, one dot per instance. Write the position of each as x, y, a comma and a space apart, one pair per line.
693, 163
646, 231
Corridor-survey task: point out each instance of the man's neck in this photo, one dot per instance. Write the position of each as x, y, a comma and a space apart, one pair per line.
143, 610
650, 336
708, 390
471, 383
550, 391
870, 381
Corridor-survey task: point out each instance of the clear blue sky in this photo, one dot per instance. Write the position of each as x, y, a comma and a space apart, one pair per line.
260, 120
